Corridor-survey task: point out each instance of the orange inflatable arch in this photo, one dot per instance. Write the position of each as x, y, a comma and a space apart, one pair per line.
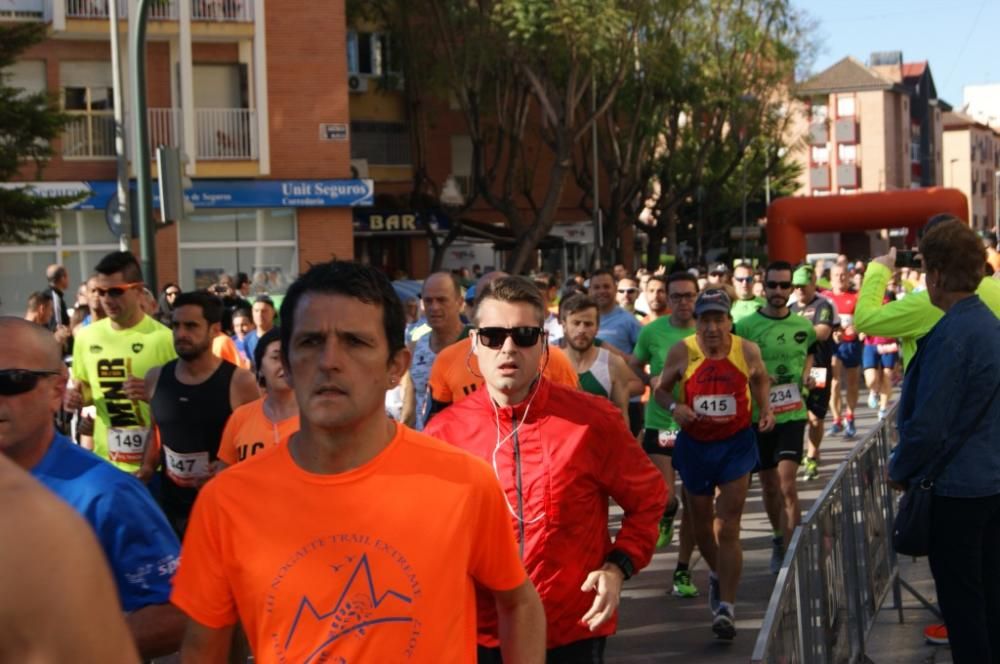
789, 219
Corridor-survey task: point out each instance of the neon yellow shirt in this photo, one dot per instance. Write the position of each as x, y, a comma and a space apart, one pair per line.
910, 318
103, 358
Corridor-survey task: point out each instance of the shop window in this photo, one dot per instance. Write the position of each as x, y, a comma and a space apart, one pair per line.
82, 239
260, 242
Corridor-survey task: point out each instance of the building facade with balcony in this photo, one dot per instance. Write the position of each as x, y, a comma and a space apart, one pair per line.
393, 234
863, 135
260, 113
972, 162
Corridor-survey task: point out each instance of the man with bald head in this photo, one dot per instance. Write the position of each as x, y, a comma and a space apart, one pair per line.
138, 543
441, 295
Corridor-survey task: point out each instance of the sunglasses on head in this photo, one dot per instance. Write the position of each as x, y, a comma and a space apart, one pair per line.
628, 290
784, 285
19, 381
118, 291
496, 337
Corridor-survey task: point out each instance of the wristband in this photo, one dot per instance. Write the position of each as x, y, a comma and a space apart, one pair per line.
622, 562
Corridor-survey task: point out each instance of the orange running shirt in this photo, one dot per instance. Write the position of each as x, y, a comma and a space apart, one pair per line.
225, 348
249, 431
378, 564
451, 379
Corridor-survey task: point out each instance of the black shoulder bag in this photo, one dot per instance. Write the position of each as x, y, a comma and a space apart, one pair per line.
911, 530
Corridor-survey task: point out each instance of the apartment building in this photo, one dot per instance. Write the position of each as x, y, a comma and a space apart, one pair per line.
394, 233
972, 162
260, 112
867, 128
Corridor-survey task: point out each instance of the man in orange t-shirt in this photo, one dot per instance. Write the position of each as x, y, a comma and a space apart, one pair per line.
366, 540
255, 426
225, 348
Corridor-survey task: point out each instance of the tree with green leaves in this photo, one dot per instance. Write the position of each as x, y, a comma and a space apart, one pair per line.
708, 94
28, 125
570, 53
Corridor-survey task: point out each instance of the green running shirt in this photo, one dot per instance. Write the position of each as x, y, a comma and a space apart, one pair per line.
655, 341
743, 308
785, 344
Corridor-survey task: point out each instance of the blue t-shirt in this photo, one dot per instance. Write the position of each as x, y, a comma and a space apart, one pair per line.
141, 548
241, 347
250, 344
620, 329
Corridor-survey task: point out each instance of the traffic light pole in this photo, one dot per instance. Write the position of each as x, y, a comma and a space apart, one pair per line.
140, 126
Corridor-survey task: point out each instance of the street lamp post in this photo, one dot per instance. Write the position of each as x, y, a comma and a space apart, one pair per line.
140, 125
124, 223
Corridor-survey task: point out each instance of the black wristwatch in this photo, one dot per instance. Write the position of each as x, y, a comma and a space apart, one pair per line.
623, 562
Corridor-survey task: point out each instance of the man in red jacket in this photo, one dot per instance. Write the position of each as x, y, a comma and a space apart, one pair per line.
559, 454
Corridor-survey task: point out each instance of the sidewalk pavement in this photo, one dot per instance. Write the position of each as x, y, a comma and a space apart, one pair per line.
892, 642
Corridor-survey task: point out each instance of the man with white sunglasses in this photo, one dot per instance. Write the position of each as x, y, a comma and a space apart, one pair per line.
559, 454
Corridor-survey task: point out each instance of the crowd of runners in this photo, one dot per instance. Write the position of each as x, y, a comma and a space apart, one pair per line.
356, 477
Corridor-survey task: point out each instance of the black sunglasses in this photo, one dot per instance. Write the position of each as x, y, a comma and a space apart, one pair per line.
19, 381
784, 285
744, 280
496, 337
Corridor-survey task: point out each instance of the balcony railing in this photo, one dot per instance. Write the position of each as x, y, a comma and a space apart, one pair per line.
226, 133
89, 135
23, 10
161, 10
238, 11
221, 134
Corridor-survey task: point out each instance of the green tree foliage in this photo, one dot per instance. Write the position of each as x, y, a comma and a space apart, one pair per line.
28, 125
681, 91
709, 92
567, 50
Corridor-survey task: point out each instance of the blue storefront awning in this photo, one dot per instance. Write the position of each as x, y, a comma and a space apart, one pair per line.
216, 194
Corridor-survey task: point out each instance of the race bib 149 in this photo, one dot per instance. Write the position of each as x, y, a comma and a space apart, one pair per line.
127, 445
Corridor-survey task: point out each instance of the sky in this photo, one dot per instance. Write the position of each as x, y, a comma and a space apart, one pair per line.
957, 37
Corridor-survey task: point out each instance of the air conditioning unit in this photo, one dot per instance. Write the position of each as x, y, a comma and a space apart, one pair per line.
359, 169
357, 83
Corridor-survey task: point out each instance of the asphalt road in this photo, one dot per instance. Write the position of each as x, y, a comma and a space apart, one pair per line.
657, 627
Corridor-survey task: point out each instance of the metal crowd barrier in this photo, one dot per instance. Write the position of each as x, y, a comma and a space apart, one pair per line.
840, 564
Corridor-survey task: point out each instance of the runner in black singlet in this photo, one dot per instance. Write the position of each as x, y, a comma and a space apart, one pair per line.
191, 399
